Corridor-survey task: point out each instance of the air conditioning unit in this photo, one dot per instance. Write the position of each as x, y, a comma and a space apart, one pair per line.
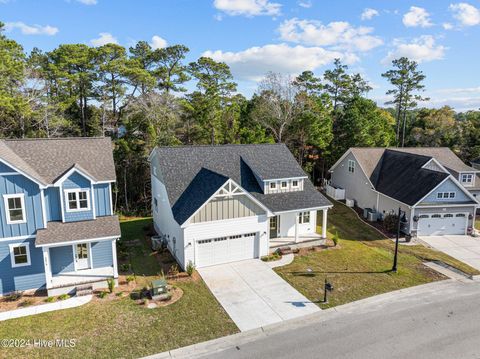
372, 216
350, 202
157, 243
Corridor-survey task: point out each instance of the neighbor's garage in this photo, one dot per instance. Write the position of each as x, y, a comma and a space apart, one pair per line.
437, 224
226, 249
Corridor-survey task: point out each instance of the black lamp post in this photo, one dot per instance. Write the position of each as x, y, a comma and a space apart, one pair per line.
394, 267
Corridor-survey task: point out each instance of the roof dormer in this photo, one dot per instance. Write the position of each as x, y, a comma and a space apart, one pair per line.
282, 185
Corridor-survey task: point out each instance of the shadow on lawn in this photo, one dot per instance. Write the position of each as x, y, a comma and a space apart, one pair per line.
314, 273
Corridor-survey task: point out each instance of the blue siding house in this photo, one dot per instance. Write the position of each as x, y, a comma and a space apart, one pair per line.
57, 226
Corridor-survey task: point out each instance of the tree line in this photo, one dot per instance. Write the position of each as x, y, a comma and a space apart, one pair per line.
140, 97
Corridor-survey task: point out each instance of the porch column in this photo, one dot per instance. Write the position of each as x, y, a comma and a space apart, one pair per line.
296, 227
324, 223
47, 267
114, 256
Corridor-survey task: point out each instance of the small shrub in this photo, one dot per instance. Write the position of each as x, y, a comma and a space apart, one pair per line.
124, 267
26, 303
390, 223
12, 297
123, 255
173, 271
190, 268
271, 257
135, 295
102, 295
63, 296
51, 299
119, 294
130, 278
111, 284
335, 239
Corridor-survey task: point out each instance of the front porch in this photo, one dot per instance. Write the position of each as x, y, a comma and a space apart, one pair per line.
80, 277
298, 227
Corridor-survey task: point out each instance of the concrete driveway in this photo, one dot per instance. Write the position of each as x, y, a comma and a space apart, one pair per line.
463, 248
253, 295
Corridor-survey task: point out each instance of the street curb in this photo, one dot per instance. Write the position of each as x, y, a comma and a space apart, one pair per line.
238, 339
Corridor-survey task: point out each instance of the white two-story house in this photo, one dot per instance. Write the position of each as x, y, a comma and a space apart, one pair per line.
218, 204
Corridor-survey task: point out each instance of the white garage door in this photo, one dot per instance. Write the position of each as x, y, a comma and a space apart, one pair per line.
439, 224
226, 249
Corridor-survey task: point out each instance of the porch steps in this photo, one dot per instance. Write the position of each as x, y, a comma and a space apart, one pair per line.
84, 290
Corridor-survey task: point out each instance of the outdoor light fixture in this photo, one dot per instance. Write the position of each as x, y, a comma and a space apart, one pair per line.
470, 216
415, 218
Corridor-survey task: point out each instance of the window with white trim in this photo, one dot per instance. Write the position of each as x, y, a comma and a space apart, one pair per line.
351, 166
304, 217
467, 178
77, 200
273, 185
295, 184
20, 254
15, 208
284, 184
445, 195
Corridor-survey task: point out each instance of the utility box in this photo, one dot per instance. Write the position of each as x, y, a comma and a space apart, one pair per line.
159, 288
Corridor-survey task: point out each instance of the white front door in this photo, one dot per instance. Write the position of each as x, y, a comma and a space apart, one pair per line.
82, 256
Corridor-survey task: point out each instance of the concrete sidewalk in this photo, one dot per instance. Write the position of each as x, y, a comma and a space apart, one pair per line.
44, 308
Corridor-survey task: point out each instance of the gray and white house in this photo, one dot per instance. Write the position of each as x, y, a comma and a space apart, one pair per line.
438, 193
218, 204
57, 227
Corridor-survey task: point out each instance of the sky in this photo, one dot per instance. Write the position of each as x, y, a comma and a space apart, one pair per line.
287, 36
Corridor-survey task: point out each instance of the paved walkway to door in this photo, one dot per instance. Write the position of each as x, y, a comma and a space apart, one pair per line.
461, 247
253, 295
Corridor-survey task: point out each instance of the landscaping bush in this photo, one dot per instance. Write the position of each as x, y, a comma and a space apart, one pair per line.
271, 257
390, 223
63, 296
130, 278
119, 294
51, 299
190, 268
173, 271
124, 267
123, 255
12, 297
102, 295
135, 295
335, 239
111, 284
26, 303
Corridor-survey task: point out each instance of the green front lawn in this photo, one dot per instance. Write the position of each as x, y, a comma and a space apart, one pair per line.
120, 327
360, 266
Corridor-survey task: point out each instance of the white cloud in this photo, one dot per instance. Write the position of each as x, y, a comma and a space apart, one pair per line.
466, 14
248, 7
447, 26
103, 39
253, 63
307, 4
88, 2
368, 14
420, 49
31, 29
339, 34
417, 16
158, 42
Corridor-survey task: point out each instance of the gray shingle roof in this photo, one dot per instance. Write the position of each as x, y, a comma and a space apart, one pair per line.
369, 157
192, 174
400, 176
48, 159
58, 232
